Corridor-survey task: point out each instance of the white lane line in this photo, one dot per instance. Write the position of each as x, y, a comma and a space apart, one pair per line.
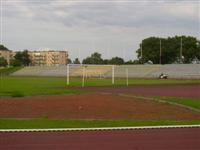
99, 129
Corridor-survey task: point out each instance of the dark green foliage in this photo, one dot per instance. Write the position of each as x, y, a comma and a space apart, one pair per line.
69, 61
76, 61
23, 58
95, 58
2, 47
105, 61
170, 49
3, 62
116, 61
134, 62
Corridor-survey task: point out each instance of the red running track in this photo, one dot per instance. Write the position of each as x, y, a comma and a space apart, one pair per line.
139, 139
183, 90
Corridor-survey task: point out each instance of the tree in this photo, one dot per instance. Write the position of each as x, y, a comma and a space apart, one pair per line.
105, 61
76, 61
23, 57
131, 62
3, 62
170, 48
95, 58
116, 61
150, 51
190, 48
69, 61
2, 47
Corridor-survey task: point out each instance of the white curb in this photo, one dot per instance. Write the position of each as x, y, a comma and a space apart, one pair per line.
98, 129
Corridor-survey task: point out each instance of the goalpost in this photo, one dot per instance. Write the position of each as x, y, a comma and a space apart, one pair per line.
67, 74
87, 70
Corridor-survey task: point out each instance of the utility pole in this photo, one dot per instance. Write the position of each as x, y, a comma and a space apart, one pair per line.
160, 51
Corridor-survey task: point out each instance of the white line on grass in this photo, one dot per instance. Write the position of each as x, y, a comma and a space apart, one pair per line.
99, 129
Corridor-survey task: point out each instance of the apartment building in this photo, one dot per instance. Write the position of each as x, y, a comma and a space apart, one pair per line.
48, 58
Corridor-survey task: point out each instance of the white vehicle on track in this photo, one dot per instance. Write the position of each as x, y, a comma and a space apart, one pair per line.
163, 76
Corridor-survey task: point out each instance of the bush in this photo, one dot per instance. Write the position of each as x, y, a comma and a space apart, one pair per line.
3, 62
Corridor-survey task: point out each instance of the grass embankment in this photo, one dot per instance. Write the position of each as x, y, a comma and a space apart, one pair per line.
186, 101
29, 86
8, 71
47, 123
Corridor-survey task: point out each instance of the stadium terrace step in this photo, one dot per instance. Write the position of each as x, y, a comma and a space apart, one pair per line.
186, 71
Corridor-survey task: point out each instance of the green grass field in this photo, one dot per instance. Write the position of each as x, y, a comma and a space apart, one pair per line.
30, 86
47, 123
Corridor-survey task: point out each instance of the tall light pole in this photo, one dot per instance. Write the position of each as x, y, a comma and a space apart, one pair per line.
141, 53
1, 19
160, 51
181, 50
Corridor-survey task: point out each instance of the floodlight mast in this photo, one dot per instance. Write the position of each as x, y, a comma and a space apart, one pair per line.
1, 19
141, 53
181, 51
160, 51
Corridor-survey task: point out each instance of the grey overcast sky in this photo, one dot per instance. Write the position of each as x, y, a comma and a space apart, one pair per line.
111, 27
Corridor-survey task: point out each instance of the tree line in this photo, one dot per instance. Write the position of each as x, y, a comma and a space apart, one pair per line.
96, 58
155, 50
177, 49
20, 59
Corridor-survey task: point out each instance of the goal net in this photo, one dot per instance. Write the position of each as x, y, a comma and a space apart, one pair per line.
87, 71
